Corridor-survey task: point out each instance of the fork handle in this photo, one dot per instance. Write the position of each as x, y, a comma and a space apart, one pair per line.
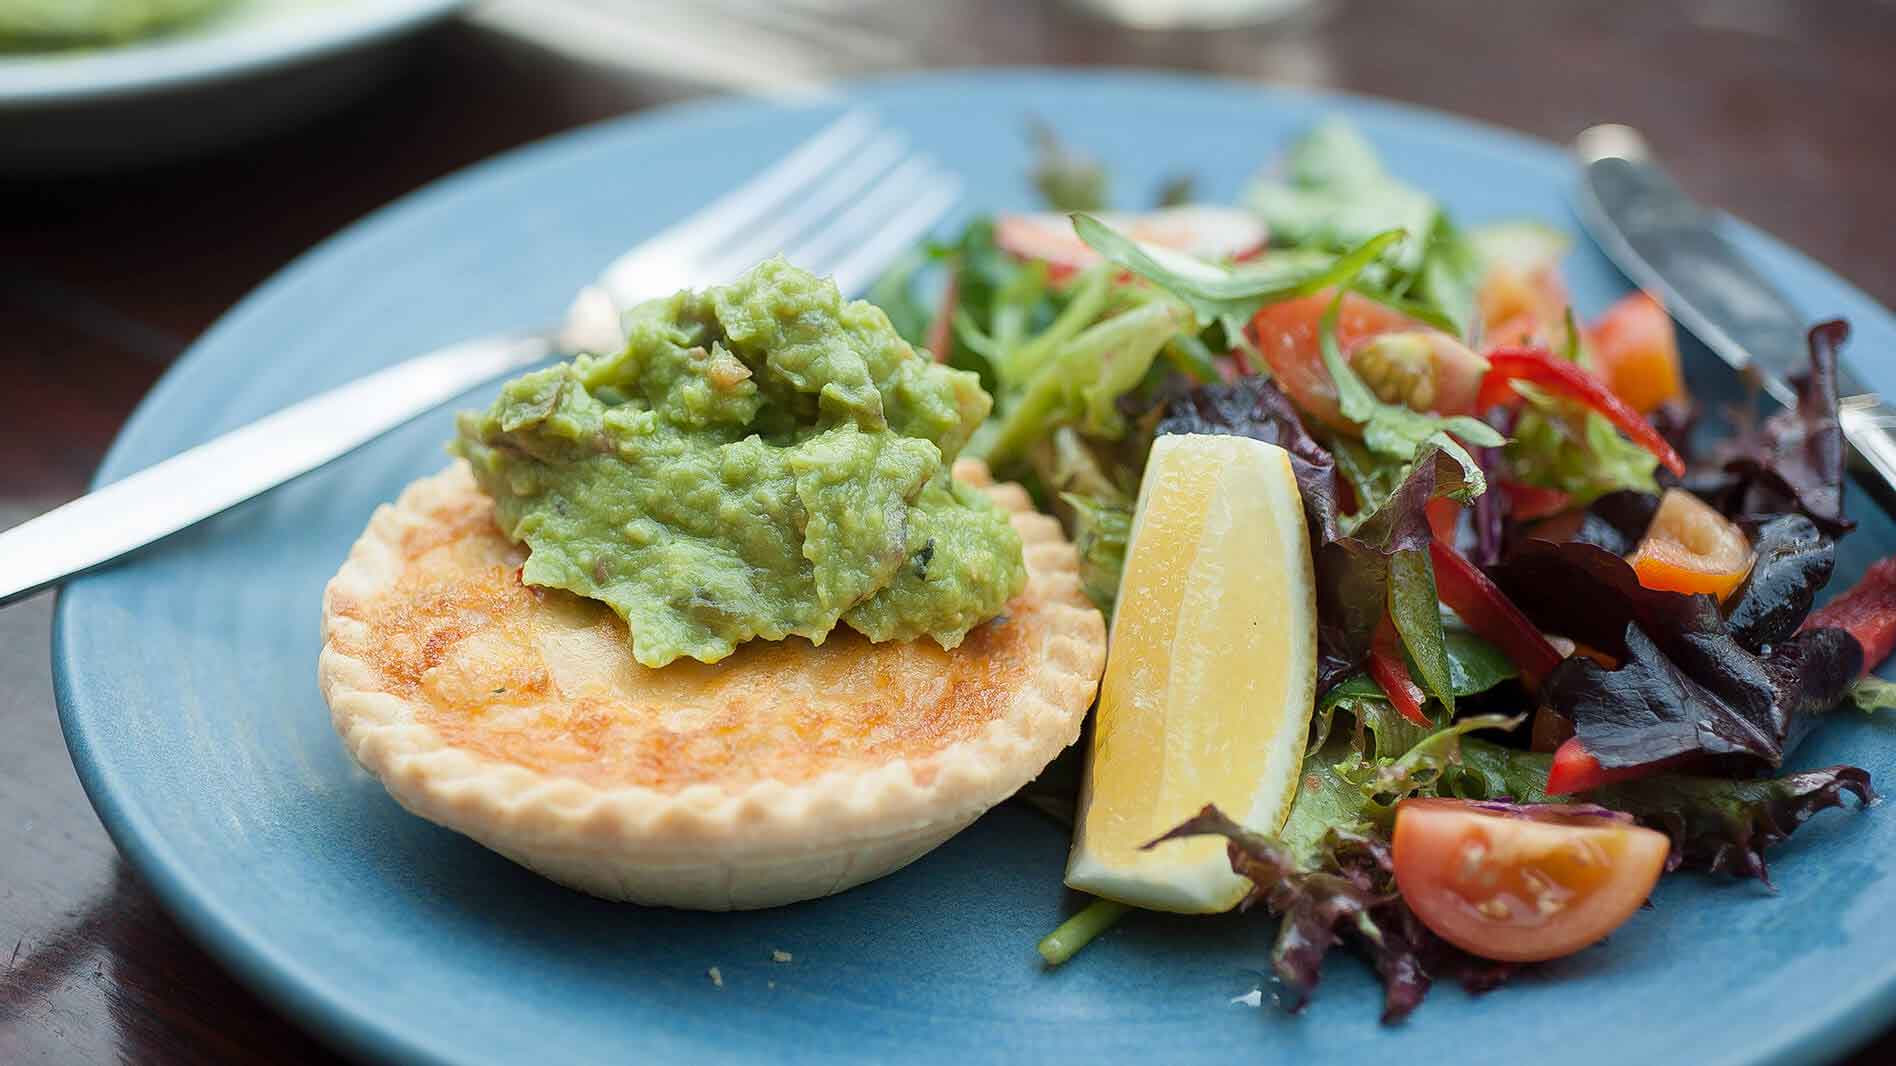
193, 485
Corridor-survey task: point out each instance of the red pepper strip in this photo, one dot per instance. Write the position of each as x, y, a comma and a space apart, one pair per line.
1490, 613
1388, 670
1444, 515
1538, 366
941, 336
1866, 612
1575, 769
1529, 502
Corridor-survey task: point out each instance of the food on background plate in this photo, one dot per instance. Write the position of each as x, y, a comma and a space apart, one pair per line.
27, 24
1508, 519
761, 462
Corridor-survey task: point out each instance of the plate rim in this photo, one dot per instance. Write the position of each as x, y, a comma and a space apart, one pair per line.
307, 999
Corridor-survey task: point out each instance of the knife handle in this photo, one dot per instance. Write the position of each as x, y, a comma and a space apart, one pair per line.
1867, 424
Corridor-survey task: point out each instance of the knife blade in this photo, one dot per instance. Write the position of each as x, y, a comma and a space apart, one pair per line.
1672, 246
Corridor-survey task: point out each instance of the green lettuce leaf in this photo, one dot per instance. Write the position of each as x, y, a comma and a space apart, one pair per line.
1394, 430
1066, 179
1101, 528
1386, 781
1079, 381
1335, 193
1229, 296
1559, 444
1874, 694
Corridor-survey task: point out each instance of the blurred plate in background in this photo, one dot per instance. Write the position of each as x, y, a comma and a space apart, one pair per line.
255, 66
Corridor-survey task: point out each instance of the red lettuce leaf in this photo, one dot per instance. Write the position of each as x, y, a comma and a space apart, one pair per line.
1812, 673
1651, 709
1717, 825
1255, 407
1686, 685
1794, 560
1354, 571
1347, 897
1794, 460
1724, 826
1546, 579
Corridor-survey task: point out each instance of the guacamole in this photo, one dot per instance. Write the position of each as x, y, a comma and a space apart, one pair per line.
760, 460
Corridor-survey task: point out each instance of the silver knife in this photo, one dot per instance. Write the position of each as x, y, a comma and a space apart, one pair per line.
1670, 245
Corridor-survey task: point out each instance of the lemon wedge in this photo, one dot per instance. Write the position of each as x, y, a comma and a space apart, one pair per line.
1210, 674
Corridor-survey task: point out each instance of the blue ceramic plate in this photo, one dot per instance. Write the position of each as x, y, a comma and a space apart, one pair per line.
187, 688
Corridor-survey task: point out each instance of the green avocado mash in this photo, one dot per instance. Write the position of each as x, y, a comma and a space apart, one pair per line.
760, 460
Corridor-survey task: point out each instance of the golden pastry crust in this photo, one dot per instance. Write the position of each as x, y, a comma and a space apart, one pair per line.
518, 716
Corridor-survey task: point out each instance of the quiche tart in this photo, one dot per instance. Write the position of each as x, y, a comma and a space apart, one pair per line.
517, 716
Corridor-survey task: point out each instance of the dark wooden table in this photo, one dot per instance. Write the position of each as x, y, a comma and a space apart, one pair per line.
1778, 110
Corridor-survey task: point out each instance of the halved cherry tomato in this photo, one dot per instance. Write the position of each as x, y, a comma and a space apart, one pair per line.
1204, 230
1636, 353
1488, 611
1286, 334
1867, 612
1387, 668
1409, 363
1525, 885
1540, 367
1689, 547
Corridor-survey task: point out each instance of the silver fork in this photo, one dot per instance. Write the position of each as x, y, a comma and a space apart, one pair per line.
845, 203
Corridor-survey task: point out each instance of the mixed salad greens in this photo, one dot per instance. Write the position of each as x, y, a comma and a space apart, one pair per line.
1470, 456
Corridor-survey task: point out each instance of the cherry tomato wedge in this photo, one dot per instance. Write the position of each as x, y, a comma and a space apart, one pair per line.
1418, 364
1537, 366
1286, 334
1637, 353
1689, 547
1867, 612
1522, 884
1387, 668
